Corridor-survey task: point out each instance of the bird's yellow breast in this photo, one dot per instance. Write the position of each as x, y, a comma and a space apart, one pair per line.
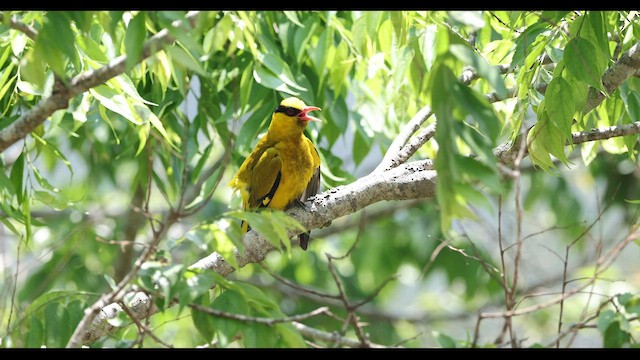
299, 161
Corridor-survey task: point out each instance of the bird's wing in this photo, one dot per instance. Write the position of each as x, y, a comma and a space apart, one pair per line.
312, 189
265, 179
313, 186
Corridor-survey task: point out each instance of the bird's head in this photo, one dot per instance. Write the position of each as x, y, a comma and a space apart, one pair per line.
292, 115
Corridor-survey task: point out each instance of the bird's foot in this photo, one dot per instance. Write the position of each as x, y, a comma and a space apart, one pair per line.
300, 204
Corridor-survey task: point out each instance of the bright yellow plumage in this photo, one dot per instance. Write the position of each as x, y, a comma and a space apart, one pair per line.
284, 166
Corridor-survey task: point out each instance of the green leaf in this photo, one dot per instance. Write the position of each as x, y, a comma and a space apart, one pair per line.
52, 201
268, 79
6, 183
480, 109
589, 151
226, 329
385, 36
444, 340
50, 147
611, 326
559, 104
115, 102
630, 302
273, 225
280, 69
35, 337
91, 48
290, 335
32, 70
134, 39
605, 319
223, 244
595, 30
56, 41
582, 62
198, 284
528, 44
185, 59
302, 38
202, 321
361, 145
340, 68
319, 54
16, 176
9, 84
293, 17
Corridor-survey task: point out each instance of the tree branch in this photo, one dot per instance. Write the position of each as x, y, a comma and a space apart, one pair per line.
332, 338
22, 27
397, 153
61, 94
413, 180
259, 320
606, 133
627, 66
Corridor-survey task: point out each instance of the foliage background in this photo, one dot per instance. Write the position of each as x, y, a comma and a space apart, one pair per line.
140, 161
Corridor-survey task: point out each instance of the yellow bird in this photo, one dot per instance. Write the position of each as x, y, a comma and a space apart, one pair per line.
284, 167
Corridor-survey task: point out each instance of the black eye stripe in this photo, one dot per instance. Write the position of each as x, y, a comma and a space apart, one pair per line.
289, 111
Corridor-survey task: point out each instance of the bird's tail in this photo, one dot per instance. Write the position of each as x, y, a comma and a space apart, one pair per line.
304, 240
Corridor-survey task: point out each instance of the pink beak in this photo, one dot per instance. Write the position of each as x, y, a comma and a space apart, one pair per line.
305, 117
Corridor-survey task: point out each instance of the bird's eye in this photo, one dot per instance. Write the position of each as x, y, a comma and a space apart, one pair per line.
291, 112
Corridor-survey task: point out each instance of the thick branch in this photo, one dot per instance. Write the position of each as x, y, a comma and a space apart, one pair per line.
624, 68
412, 180
61, 94
409, 181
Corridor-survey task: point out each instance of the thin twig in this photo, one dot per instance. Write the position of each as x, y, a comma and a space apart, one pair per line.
603, 264
443, 244
351, 316
375, 292
299, 287
143, 329
258, 320
361, 229
333, 338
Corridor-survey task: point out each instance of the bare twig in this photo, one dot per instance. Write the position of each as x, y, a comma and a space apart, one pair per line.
332, 338
566, 264
143, 329
603, 263
258, 320
358, 234
351, 316
374, 293
299, 287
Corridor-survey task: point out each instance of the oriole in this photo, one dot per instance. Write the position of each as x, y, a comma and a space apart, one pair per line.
284, 167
